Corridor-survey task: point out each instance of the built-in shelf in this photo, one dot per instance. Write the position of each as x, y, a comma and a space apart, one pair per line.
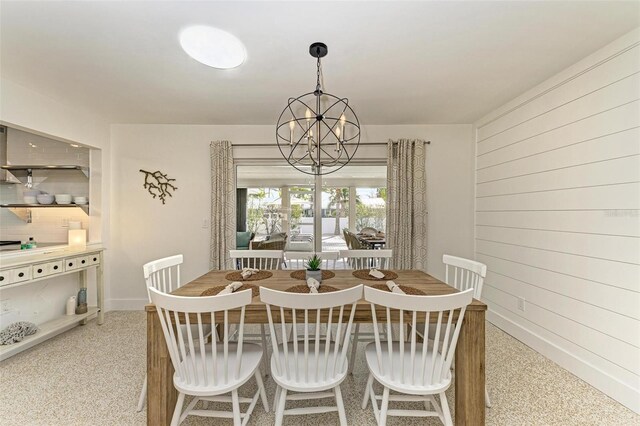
23, 211
34, 206
22, 172
46, 331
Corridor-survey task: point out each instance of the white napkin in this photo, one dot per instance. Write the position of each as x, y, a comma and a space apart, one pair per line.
247, 272
313, 285
375, 273
394, 287
231, 288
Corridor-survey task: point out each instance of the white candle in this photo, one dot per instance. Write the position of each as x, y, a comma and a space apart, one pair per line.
338, 137
307, 115
343, 121
292, 125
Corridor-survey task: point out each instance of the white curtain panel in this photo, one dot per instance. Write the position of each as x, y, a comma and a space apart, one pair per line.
407, 203
223, 204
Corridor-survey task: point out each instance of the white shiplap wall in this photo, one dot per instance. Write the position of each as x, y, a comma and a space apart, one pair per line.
558, 218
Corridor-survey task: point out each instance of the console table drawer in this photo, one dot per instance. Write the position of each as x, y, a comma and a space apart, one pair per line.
75, 263
45, 269
21, 274
6, 277
94, 259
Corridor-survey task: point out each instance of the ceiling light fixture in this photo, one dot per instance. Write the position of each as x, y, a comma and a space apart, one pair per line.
212, 46
318, 133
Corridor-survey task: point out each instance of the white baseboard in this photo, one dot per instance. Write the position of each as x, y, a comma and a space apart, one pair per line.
125, 304
597, 378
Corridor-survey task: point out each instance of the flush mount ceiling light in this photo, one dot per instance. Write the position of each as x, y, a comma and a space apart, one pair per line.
318, 133
212, 46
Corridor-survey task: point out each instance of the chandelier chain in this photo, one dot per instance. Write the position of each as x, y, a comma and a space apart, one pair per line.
318, 86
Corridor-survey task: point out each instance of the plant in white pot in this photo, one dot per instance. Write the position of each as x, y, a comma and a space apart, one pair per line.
313, 268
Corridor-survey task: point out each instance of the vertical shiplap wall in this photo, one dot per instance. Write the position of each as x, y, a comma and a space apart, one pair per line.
558, 218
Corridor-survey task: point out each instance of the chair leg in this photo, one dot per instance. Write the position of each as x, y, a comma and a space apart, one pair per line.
143, 395
384, 407
445, 410
263, 394
282, 400
265, 348
175, 420
235, 402
354, 348
341, 413
276, 399
365, 401
487, 401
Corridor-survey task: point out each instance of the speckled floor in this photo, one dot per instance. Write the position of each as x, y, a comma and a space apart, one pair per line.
92, 375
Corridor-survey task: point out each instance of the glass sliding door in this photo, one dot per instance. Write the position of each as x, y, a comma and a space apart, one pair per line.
313, 211
335, 217
371, 208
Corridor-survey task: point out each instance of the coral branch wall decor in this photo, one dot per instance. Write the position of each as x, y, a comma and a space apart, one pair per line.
158, 184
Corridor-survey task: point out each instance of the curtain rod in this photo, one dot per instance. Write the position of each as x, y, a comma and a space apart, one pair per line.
274, 144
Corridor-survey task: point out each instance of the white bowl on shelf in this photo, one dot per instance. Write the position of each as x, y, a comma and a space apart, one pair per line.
80, 200
44, 198
30, 199
63, 198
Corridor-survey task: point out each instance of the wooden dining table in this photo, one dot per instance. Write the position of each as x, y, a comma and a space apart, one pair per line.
470, 352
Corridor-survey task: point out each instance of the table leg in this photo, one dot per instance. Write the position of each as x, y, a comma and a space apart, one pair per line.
100, 289
470, 370
83, 284
161, 395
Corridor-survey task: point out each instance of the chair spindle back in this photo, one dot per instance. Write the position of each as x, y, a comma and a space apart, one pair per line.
298, 259
310, 358
259, 259
405, 360
367, 259
163, 274
464, 274
195, 363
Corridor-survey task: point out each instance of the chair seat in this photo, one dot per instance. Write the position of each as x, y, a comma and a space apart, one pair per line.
395, 383
311, 383
250, 359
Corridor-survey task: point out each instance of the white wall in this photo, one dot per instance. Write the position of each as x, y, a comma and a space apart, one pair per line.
143, 229
557, 218
24, 109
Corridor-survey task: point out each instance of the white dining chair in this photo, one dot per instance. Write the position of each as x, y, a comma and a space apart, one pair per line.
364, 259
417, 371
263, 260
209, 372
367, 259
464, 274
310, 366
259, 259
162, 275
297, 259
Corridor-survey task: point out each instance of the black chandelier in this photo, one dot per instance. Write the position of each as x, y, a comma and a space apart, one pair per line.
318, 133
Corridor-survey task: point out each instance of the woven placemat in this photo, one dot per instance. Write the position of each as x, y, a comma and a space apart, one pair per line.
303, 288
363, 274
408, 290
237, 276
302, 275
255, 290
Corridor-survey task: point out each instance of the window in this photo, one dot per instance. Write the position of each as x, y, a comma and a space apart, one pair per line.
278, 198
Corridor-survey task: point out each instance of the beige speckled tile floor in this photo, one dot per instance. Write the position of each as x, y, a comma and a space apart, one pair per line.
91, 375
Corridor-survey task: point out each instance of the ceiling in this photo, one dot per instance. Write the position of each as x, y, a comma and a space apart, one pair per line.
397, 62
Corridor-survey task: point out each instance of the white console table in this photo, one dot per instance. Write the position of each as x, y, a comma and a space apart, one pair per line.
24, 268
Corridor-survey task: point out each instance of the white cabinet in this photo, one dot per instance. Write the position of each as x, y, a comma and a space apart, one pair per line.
28, 268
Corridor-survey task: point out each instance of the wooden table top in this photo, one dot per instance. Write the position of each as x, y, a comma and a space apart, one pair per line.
281, 280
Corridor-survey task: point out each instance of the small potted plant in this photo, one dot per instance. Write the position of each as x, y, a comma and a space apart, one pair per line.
313, 268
